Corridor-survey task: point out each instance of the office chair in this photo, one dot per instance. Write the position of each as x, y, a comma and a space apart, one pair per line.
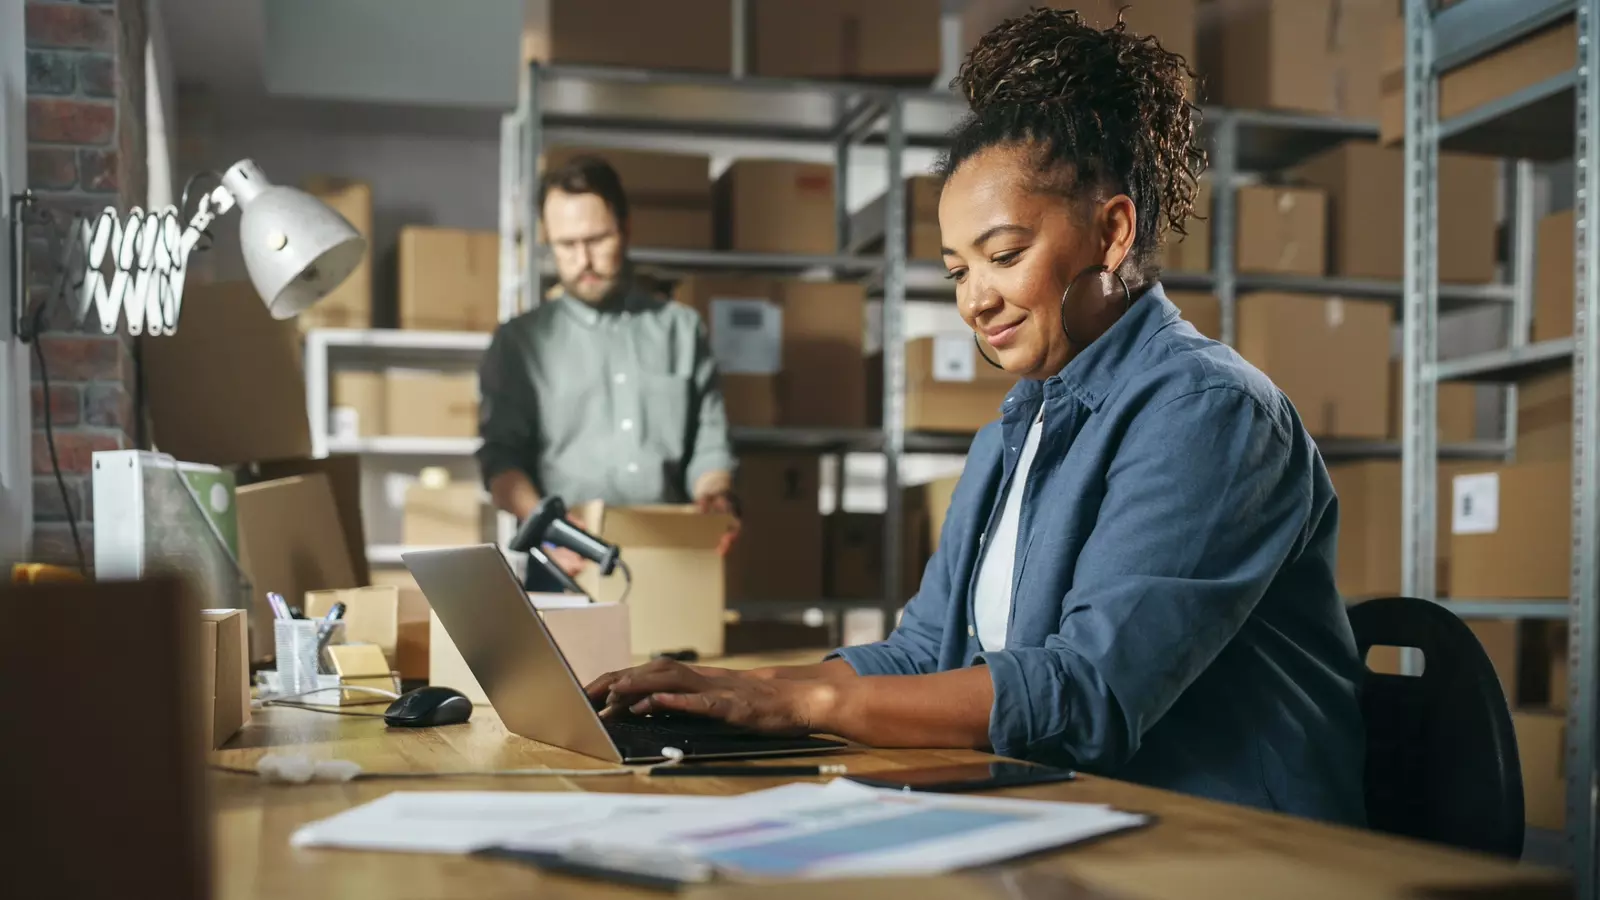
1441, 754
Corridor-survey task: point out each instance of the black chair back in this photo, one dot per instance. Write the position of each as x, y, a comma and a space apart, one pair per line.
1441, 753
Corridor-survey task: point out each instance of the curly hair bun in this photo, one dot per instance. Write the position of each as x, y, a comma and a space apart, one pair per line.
1110, 104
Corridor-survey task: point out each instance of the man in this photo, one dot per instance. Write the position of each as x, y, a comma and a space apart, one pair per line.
606, 391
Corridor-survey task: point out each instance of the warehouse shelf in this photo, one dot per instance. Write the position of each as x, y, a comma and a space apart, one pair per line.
404, 446
1533, 123
1509, 364
398, 348
841, 440
1344, 449
1269, 140
679, 261
1507, 609
1473, 28
1451, 296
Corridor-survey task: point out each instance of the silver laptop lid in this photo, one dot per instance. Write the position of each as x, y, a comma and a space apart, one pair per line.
506, 645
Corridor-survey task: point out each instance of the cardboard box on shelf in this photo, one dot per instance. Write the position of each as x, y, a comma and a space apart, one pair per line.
291, 541
883, 40
343, 472
669, 194
1544, 418
350, 304
372, 615
948, 388
677, 601
1540, 56
1542, 749
1366, 211
1553, 277
450, 515
1546, 681
1330, 355
855, 550
1314, 56
1203, 311
922, 221
1511, 530
788, 352
1191, 252
1457, 406
594, 638
411, 633
1172, 22
1282, 229
225, 667
776, 206
936, 496
686, 35
421, 403
778, 554
358, 404
747, 637
449, 279
1368, 564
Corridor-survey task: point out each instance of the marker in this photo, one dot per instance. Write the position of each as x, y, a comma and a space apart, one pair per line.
280, 608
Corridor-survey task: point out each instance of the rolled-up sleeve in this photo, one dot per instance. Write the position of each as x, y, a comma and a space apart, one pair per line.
508, 410
1205, 500
713, 448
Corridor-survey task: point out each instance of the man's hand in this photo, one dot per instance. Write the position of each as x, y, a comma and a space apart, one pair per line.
713, 493
765, 704
567, 561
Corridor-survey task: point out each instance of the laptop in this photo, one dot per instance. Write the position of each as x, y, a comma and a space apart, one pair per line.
505, 643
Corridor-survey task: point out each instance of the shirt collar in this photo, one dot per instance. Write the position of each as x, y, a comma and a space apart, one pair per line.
635, 299
1092, 373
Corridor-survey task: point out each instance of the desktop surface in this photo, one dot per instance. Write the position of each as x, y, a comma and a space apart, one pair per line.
1194, 849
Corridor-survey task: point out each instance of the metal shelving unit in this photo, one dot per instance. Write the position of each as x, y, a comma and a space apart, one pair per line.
1530, 124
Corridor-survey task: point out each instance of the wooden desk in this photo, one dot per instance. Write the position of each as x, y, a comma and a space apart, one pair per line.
1195, 849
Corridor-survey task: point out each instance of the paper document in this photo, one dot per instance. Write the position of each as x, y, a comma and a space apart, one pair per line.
841, 829
464, 821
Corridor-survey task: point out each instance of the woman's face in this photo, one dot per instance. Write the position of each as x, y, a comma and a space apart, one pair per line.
1012, 249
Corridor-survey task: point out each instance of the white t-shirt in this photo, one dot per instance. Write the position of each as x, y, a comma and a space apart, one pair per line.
992, 599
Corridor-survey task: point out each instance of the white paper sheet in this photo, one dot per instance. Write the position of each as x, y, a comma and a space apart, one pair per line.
464, 821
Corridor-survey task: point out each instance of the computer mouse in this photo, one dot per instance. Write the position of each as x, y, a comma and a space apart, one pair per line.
426, 706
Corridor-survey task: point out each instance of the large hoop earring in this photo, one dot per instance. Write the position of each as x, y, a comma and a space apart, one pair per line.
1127, 296
978, 342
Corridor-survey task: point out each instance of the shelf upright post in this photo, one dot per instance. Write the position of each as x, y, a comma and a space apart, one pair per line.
512, 189
1224, 212
1420, 308
532, 148
894, 356
1585, 606
739, 15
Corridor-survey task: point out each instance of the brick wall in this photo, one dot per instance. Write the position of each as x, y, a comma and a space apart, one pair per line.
86, 145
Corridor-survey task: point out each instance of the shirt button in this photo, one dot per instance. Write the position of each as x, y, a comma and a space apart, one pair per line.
626, 424
620, 378
971, 631
633, 468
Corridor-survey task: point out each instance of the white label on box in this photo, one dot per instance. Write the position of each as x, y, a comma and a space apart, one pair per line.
1476, 506
1334, 310
345, 423
747, 336
953, 358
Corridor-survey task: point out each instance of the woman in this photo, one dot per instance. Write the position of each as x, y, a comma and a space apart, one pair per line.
1135, 576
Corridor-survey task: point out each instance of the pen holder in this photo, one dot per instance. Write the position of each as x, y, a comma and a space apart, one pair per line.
300, 643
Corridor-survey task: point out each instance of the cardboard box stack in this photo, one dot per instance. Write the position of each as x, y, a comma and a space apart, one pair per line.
1317, 56
669, 194
776, 206
778, 554
1330, 355
446, 515
878, 40
350, 304
449, 279
1365, 186
687, 35
1282, 229
405, 402
789, 353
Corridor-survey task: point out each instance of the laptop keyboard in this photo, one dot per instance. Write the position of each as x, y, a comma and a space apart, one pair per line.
643, 738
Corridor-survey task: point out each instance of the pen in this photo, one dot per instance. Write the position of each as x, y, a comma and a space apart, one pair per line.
325, 631
280, 609
747, 771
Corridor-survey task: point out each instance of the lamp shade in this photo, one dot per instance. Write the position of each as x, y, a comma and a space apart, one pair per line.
296, 248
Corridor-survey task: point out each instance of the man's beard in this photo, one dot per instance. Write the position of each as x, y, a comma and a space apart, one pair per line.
598, 290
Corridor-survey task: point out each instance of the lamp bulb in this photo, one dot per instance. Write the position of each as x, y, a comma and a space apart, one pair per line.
277, 240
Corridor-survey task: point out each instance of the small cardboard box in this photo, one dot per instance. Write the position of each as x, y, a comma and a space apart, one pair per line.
359, 404
778, 554
411, 632
1330, 355
451, 515
1511, 532
594, 638
1457, 406
1544, 418
225, 662
1542, 749
1369, 528
449, 279
1203, 311
775, 206
686, 35
1282, 229
431, 404
883, 40
677, 600
867, 227
1553, 274
751, 400
1192, 252
350, 304
669, 194
948, 387
372, 615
